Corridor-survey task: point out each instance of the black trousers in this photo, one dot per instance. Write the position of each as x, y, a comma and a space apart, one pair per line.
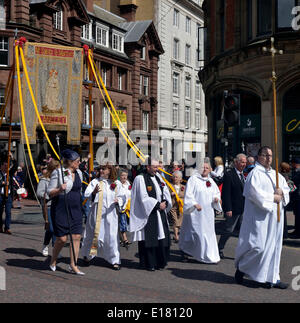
230, 224
153, 257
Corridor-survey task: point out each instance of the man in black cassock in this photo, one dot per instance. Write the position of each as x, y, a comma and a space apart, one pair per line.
150, 202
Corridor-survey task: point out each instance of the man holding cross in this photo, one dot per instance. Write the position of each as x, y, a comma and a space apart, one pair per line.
260, 241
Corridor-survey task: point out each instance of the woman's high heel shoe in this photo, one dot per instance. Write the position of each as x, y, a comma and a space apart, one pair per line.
72, 271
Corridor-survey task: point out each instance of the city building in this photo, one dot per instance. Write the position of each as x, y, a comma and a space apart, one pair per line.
235, 63
181, 112
126, 55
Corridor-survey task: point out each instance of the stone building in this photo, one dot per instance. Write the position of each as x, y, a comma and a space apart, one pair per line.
237, 31
181, 114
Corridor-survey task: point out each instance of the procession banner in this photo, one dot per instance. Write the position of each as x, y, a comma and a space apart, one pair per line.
55, 74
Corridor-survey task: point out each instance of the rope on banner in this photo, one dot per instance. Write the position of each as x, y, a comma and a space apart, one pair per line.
34, 102
22, 111
114, 115
132, 144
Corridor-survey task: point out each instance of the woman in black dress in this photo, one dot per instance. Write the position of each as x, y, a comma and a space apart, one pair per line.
72, 187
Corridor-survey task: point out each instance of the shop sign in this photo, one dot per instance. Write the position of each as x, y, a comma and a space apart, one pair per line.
250, 125
291, 122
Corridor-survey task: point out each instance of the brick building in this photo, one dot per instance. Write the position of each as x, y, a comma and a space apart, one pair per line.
126, 59
237, 31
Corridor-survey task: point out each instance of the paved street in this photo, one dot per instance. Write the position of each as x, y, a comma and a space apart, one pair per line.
29, 280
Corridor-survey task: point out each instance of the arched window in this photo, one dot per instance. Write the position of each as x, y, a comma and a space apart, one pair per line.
58, 18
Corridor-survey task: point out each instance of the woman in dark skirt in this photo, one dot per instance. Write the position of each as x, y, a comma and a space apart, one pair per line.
62, 228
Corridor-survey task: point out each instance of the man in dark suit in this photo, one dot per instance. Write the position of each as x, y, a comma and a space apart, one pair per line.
232, 199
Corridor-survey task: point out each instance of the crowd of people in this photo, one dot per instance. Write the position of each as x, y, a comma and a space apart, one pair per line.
98, 209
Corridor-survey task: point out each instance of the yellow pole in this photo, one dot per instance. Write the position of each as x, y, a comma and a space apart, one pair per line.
91, 148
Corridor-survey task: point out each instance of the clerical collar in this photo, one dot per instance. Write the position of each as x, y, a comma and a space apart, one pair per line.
262, 167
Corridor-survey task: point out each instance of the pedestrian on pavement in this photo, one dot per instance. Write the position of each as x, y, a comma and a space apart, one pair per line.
250, 165
198, 236
150, 202
260, 241
232, 199
124, 195
46, 205
176, 213
62, 226
284, 170
295, 199
6, 200
101, 232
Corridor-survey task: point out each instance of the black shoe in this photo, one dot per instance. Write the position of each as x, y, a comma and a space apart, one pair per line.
239, 277
221, 254
116, 267
151, 269
294, 235
280, 285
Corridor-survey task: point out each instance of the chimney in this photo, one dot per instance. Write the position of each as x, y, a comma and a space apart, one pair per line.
128, 9
89, 5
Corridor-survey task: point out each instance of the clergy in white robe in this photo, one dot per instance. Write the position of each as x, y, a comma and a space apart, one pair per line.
260, 241
107, 243
197, 236
150, 202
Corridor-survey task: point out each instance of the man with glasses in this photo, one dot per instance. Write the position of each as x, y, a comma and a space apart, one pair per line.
260, 241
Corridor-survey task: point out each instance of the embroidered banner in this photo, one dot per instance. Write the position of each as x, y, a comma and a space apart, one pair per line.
56, 78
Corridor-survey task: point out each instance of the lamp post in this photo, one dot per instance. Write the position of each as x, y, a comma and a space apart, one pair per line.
274, 51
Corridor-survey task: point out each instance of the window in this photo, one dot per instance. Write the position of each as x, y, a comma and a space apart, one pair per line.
249, 19
176, 48
118, 42
101, 36
86, 119
284, 13
188, 25
86, 32
2, 15
176, 83
144, 85
198, 91
2, 101
58, 18
105, 118
145, 121
3, 51
188, 88
187, 117
175, 115
187, 54
176, 18
197, 118
143, 53
104, 75
264, 16
120, 81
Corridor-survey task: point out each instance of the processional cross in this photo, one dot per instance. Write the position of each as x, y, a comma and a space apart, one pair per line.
274, 51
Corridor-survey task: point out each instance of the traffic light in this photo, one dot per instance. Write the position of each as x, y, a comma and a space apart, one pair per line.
232, 109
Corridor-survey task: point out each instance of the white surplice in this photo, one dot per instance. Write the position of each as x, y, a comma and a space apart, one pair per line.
108, 240
142, 205
124, 194
260, 241
197, 234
